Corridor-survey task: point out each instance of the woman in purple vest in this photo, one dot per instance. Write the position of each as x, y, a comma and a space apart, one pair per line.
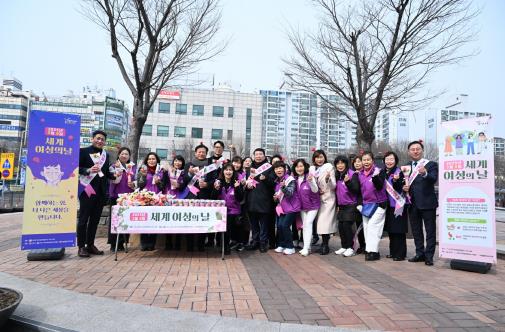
396, 226
375, 201
357, 166
240, 239
175, 186
308, 193
124, 183
288, 205
347, 191
150, 177
228, 188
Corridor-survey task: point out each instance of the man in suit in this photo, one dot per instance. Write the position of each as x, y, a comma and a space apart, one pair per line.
424, 202
94, 178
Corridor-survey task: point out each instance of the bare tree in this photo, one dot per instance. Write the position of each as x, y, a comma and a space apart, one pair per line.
377, 55
154, 42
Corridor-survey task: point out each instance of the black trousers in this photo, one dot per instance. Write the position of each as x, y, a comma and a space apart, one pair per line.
361, 234
345, 232
417, 218
111, 238
147, 240
90, 211
272, 237
260, 226
398, 245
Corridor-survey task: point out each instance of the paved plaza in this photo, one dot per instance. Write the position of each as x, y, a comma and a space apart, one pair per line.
316, 290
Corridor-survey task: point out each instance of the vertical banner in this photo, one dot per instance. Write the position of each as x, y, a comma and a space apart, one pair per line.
52, 172
467, 227
6, 166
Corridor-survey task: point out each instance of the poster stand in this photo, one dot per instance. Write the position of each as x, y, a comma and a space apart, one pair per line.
470, 266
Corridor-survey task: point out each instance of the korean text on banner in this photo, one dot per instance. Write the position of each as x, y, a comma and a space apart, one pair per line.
467, 226
52, 170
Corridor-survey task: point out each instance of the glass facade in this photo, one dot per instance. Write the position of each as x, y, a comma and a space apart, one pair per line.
217, 134
147, 130
218, 111
163, 107
196, 132
162, 153
162, 131
181, 109
198, 110
180, 131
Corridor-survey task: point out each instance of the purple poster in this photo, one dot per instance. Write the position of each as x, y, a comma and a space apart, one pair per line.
52, 172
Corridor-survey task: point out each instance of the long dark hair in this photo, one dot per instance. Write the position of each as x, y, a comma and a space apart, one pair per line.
233, 177
181, 159
318, 153
305, 166
151, 154
345, 160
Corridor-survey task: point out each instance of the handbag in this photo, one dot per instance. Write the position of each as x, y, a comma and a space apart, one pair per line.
369, 209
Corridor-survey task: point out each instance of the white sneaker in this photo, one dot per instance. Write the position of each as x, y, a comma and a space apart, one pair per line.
279, 249
348, 252
340, 251
304, 252
289, 251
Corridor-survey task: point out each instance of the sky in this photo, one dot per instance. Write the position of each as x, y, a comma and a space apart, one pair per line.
52, 48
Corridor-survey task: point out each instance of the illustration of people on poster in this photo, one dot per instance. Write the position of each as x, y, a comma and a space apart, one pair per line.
52, 166
467, 228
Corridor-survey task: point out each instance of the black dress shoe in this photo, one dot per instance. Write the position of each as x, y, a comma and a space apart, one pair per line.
398, 259
360, 251
325, 249
368, 256
94, 250
389, 256
263, 249
83, 252
315, 240
416, 259
252, 247
428, 262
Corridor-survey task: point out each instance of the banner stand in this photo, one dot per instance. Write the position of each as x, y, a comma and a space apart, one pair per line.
470, 266
48, 254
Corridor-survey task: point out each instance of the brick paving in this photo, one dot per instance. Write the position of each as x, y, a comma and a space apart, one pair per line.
318, 290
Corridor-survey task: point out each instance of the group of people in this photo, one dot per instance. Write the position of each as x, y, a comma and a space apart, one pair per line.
275, 205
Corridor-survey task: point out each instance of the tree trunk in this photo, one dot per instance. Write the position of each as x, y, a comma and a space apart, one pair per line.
136, 129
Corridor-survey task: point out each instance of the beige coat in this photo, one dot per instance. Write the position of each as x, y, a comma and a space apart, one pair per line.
326, 217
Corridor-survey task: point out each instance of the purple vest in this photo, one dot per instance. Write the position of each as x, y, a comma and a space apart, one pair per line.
308, 199
122, 187
232, 204
180, 192
368, 191
149, 183
344, 196
289, 204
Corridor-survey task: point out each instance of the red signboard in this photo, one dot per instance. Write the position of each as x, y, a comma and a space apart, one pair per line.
167, 94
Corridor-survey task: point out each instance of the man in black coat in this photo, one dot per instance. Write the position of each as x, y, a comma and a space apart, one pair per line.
92, 162
424, 203
211, 178
259, 203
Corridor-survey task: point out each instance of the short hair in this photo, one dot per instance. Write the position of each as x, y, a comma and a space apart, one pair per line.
278, 164
391, 153
415, 142
278, 156
259, 149
237, 159
353, 161
151, 154
368, 153
306, 166
181, 159
218, 142
123, 148
318, 153
202, 146
99, 132
343, 159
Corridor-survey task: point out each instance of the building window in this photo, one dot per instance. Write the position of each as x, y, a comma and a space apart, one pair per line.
198, 110
218, 111
230, 112
162, 153
162, 131
217, 133
248, 126
180, 132
230, 135
147, 130
181, 109
163, 108
196, 132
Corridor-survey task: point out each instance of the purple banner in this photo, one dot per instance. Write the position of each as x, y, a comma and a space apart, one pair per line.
52, 172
